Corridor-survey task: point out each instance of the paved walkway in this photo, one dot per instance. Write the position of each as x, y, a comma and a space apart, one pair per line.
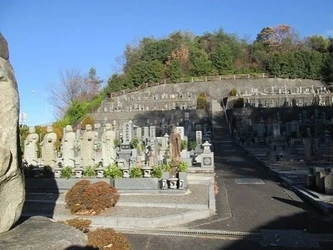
255, 199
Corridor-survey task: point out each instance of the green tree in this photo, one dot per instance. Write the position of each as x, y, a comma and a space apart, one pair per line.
158, 50
201, 63
317, 43
145, 72
174, 70
222, 59
327, 69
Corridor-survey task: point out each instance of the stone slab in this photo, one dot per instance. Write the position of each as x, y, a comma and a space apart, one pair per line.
136, 184
60, 185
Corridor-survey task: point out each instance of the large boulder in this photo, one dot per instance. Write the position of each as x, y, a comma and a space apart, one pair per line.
12, 192
42, 233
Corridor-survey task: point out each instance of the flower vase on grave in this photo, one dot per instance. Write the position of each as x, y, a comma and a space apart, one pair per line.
78, 172
57, 173
100, 170
173, 182
147, 171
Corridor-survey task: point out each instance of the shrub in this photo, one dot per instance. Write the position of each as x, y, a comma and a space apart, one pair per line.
66, 172
183, 166
192, 144
113, 171
158, 170
80, 224
116, 142
183, 145
202, 101
134, 143
107, 238
86, 198
233, 92
135, 172
89, 172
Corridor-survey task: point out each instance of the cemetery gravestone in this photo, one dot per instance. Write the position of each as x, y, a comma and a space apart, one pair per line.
87, 147
108, 147
48, 148
30, 147
68, 147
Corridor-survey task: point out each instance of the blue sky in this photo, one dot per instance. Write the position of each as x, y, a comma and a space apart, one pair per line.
47, 36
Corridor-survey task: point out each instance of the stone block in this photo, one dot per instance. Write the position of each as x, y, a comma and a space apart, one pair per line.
136, 184
41, 233
207, 160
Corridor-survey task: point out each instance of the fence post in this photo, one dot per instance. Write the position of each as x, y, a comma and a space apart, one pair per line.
234, 77
191, 79
220, 78
205, 78
263, 75
248, 76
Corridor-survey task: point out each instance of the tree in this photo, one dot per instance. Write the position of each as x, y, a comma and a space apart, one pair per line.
73, 86
200, 61
66, 91
222, 59
281, 37
174, 70
157, 50
317, 43
91, 86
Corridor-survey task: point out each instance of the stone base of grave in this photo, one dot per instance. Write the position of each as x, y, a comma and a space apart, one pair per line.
136, 183
59, 185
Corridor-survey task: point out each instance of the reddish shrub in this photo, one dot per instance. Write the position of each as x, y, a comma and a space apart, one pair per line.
80, 224
107, 238
86, 198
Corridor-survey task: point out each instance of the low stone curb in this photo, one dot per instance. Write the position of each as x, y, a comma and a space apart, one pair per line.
128, 222
166, 205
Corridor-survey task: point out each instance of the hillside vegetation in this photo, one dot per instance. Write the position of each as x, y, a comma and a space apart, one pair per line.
276, 51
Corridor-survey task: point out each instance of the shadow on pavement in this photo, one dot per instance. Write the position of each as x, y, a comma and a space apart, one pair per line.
40, 198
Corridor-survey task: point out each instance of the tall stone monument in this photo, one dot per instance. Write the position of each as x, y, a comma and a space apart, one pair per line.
68, 147
12, 190
87, 147
108, 147
30, 147
48, 148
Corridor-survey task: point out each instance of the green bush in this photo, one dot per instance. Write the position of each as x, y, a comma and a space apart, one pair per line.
233, 92
183, 166
202, 101
113, 171
89, 172
66, 172
90, 199
183, 145
192, 144
135, 172
134, 143
116, 142
158, 170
